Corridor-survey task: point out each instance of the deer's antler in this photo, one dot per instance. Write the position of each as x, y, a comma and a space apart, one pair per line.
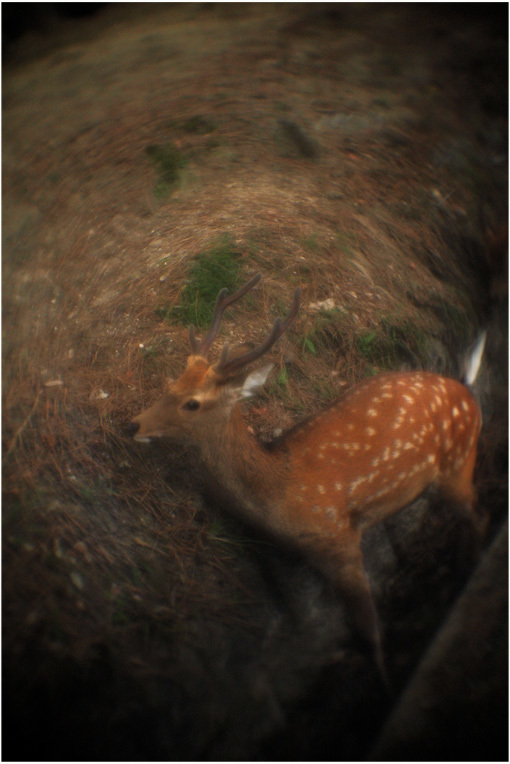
226, 366
222, 303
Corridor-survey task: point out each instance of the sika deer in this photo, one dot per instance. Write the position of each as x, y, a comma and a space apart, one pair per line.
330, 478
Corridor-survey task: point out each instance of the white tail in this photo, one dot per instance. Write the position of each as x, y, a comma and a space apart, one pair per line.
322, 484
474, 360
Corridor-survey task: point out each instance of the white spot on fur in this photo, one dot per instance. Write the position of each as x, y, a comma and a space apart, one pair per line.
355, 484
331, 512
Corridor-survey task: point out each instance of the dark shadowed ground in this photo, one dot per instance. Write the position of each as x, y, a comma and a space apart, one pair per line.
359, 151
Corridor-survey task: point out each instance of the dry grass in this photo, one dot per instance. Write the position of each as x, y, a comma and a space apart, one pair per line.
108, 547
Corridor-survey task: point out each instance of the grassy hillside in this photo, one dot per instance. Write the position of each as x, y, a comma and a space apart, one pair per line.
152, 155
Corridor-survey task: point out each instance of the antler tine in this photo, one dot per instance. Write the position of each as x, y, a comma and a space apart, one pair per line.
222, 303
225, 366
193, 340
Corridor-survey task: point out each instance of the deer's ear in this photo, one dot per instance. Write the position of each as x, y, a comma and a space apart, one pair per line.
255, 381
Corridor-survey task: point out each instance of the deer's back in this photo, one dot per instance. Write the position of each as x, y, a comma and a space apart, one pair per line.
379, 446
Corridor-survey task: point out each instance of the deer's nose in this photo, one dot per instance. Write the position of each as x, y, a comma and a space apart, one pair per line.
131, 428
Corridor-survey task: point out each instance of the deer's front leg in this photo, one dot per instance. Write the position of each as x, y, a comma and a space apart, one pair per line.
341, 563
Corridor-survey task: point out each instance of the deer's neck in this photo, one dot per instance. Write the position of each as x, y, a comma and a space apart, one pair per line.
241, 473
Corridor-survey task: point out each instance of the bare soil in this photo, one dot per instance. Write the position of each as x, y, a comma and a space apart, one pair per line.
356, 150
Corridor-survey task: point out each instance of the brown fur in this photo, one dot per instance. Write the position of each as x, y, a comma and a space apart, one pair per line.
324, 483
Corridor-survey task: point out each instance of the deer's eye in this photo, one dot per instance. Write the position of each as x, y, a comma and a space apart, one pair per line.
191, 405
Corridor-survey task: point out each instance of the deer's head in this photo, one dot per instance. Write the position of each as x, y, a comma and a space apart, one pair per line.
204, 395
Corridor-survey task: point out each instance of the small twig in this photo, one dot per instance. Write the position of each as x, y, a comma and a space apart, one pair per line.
17, 434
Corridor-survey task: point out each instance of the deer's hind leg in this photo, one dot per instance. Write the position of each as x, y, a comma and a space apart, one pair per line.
457, 489
456, 485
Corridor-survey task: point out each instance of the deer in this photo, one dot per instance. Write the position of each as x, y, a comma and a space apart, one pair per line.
322, 484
